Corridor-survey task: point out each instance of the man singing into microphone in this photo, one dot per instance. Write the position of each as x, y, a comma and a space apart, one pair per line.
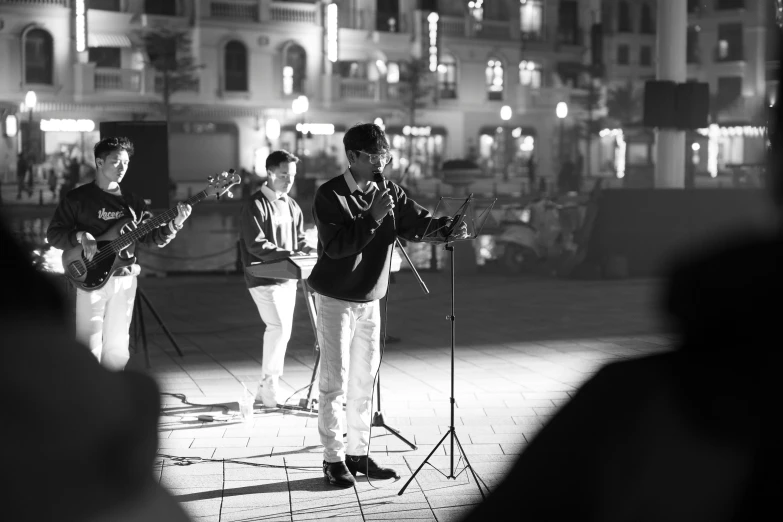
358, 216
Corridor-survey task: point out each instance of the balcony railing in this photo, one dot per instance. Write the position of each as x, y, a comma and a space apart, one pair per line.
294, 13
495, 30
45, 3
361, 89
358, 89
124, 80
453, 26
234, 10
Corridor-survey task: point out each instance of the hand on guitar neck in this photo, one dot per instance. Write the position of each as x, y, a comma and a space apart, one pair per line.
90, 265
90, 244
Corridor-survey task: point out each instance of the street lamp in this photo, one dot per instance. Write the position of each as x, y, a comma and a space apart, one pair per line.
300, 106
505, 115
562, 111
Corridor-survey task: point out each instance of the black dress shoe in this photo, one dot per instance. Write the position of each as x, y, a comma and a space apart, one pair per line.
337, 474
367, 466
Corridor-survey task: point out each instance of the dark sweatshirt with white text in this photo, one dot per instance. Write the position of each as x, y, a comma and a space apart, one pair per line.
355, 250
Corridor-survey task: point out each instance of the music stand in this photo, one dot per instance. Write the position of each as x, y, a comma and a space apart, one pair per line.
465, 213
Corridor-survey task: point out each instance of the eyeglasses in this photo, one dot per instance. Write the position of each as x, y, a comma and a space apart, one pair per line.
383, 158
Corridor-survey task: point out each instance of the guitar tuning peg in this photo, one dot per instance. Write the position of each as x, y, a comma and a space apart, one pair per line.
210, 178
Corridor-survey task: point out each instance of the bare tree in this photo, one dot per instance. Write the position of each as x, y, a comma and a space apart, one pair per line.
169, 52
624, 105
417, 94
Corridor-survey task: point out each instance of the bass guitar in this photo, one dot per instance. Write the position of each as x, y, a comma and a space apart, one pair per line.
93, 274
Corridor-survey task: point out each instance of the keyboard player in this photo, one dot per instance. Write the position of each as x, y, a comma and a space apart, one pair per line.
272, 227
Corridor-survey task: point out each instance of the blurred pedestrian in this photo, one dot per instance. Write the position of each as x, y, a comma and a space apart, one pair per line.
22, 168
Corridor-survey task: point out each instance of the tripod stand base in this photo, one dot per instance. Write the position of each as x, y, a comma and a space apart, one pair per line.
451, 475
378, 422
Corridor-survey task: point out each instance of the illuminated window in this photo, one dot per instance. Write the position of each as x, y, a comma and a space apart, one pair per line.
494, 78
288, 80
295, 58
531, 19
393, 72
447, 77
38, 57
730, 44
530, 74
236, 66
624, 17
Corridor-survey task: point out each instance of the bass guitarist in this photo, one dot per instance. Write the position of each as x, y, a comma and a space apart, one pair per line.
103, 316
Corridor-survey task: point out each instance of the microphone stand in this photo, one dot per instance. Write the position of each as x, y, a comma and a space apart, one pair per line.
377, 418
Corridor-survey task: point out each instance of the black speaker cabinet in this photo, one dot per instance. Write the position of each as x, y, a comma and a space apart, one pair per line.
660, 104
693, 105
148, 172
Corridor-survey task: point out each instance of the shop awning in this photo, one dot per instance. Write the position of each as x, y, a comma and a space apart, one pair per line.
434, 130
490, 130
108, 40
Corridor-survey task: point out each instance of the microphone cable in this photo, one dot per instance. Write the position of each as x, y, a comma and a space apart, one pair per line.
380, 179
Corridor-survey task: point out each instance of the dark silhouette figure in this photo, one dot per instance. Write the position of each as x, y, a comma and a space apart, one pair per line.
679, 436
81, 440
22, 168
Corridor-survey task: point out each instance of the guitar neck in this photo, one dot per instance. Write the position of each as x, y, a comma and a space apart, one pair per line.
125, 240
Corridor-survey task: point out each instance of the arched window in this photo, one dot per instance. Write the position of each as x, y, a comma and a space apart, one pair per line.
647, 26
530, 74
494, 79
235, 66
161, 7
447, 77
38, 57
624, 17
294, 67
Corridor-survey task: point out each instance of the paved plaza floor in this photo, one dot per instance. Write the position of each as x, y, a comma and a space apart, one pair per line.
523, 346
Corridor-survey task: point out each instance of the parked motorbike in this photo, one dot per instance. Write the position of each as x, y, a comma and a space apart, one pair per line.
538, 233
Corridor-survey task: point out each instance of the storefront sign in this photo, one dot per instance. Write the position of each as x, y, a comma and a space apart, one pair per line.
198, 128
416, 131
326, 129
55, 125
432, 18
331, 32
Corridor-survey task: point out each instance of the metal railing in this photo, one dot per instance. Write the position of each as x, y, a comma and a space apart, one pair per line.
234, 10
294, 13
358, 89
109, 79
47, 3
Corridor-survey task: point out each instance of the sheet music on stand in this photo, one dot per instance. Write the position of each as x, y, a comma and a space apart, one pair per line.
460, 210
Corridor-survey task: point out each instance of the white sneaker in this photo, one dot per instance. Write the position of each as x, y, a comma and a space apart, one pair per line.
267, 391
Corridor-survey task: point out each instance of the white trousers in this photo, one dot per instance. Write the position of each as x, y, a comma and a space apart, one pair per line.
275, 305
103, 319
349, 337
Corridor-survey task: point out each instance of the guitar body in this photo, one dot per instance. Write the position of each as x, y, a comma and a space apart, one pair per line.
93, 275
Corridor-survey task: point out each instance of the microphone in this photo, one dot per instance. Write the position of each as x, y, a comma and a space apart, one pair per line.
381, 180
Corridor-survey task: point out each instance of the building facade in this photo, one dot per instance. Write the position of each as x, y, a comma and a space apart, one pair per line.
453, 79
732, 45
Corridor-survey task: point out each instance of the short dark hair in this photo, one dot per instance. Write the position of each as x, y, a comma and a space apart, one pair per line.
277, 157
110, 144
365, 136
